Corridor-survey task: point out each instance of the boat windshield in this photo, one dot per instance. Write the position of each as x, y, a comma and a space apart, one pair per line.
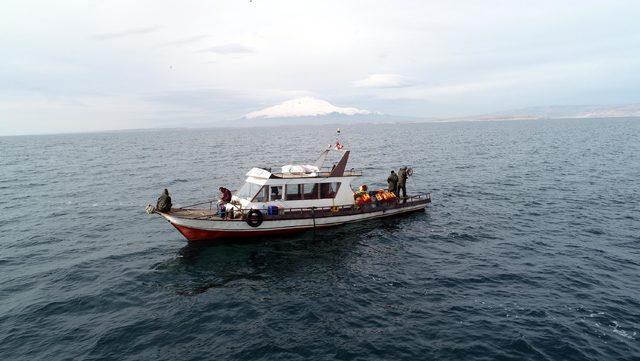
248, 190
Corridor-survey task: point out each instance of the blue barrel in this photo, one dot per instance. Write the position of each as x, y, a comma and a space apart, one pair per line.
272, 210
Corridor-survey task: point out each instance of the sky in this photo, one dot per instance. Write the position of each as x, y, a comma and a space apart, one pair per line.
75, 66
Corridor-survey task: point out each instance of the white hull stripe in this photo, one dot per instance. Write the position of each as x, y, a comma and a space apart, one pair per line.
284, 224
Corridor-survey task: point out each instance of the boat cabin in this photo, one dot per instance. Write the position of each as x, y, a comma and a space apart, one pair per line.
298, 186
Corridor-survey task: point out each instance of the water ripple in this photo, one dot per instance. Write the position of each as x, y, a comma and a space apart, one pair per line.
529, 251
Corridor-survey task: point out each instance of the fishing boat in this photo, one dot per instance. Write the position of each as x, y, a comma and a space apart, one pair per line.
295, 199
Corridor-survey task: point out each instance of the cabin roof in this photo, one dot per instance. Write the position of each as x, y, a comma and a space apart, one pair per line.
321, 174
299, 180
307, 171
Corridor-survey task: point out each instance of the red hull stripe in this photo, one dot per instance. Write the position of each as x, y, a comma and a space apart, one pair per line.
194, 234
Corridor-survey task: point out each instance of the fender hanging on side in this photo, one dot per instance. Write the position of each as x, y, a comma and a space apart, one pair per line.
254, 218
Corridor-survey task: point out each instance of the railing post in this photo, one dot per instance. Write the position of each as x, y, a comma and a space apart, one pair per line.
313, 215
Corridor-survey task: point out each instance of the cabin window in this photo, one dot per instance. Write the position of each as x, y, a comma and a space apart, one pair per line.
311, 191
276, 193
263, 195
329, 190
294, 192
248, 190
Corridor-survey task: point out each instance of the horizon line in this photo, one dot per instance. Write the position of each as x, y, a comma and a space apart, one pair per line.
416, 121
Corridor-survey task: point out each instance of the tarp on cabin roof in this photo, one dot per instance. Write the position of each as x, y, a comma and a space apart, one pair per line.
300, 168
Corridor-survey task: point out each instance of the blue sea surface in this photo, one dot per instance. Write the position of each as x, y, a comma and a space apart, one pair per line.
529, 251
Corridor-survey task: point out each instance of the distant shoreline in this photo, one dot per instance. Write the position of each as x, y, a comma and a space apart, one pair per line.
220, 125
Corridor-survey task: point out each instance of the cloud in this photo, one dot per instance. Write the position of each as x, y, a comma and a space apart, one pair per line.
124, 33
507, 83
231, 48
470, 59
382, 81
183, 41
449, 90
77, 113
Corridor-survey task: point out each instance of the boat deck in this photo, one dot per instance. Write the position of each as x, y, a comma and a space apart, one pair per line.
299, 213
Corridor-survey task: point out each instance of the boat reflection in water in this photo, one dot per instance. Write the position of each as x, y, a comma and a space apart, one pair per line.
269, 261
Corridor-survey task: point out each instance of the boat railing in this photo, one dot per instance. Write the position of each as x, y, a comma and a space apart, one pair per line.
242, 213
192, 206
326, 171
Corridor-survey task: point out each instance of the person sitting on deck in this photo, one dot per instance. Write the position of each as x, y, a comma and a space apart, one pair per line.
226, 195
392, 181
164, 202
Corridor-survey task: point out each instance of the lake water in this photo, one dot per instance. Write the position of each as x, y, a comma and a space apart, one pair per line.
530, 249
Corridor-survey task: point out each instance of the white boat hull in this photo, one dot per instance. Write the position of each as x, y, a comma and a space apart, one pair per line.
208, 229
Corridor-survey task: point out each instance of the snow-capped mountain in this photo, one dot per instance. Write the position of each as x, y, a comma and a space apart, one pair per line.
304, 107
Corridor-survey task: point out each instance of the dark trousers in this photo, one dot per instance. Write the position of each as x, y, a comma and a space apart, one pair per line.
402, 187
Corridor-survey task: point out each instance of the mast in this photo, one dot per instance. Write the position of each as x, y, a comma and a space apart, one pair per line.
338, 171
321, 159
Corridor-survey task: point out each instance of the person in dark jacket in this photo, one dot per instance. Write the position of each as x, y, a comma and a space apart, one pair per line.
164, 202
392, 181
226, 195
402, 182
